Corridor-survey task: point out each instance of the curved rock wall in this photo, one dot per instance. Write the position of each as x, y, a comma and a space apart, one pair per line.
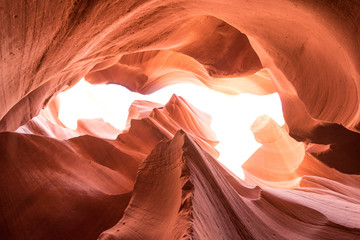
310, 49
306, 50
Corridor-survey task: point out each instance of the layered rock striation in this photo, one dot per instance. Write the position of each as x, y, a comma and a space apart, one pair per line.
159, 178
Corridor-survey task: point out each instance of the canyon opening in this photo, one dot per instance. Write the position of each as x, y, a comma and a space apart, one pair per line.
132, 120
232, 128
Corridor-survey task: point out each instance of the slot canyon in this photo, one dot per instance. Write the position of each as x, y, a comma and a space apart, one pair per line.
160, 177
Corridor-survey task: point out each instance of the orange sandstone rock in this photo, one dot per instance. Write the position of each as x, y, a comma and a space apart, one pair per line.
58, 185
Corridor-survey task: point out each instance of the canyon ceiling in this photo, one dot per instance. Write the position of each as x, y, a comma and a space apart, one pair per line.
159, 178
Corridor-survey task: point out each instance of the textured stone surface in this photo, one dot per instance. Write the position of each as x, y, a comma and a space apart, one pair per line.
56, 184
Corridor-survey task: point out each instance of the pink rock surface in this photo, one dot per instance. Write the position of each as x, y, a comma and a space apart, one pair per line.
162, 169
191, 199
97, 127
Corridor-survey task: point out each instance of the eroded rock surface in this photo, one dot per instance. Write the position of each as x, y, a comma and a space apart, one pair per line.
162, 168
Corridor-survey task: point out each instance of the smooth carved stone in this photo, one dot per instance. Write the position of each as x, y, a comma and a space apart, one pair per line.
159, 179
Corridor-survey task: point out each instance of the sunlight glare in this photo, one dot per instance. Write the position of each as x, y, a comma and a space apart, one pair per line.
232, 116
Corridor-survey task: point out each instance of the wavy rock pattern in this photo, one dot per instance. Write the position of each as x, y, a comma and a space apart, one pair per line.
84, 177
191, 199
159, 179
309, 47
169, 181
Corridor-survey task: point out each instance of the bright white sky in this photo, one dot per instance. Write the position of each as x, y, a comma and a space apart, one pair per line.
232, 115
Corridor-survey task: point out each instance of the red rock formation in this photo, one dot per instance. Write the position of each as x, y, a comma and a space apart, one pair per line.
53, 181
179, 187
190, 198
275, 163
97, 127
309, 47
83, 177
152, 70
